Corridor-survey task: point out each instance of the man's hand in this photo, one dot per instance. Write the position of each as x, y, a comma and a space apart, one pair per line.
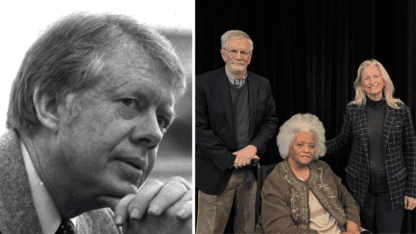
409, 203
244, 156
157, 208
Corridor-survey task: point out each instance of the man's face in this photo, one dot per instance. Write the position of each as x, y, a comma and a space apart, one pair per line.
237, 56
110, 146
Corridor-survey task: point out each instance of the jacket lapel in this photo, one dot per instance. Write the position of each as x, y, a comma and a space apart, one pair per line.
362, 123
389, 119
225, 96
252, 90
17, 211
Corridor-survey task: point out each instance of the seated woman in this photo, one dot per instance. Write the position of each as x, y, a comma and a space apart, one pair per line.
302, 194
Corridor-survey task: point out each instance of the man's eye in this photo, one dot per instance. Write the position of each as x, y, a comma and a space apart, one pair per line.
312, 146
163, 122
233, 51
128, 102
243, 53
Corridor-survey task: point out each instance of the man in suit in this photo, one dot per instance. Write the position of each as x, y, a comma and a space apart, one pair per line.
88, 109
235, 118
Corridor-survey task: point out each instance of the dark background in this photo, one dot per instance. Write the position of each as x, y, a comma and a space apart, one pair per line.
310, 50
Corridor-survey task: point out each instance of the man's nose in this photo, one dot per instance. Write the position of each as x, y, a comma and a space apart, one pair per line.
147, 130
238, 55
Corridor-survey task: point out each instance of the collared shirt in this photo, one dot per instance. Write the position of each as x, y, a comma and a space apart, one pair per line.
238, 82
47, 212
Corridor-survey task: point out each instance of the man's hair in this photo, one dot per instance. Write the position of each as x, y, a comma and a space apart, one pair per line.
388, 89
301, 123
68, 60
235, 34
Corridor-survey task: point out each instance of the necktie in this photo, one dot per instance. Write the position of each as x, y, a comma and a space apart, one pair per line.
66, 227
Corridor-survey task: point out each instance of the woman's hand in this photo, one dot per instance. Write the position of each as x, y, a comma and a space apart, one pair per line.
352, 228
351, 232
409, 203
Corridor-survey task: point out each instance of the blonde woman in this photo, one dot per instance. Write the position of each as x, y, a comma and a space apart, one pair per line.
381, 172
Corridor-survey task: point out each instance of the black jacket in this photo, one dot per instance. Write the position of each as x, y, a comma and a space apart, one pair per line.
399, 145
215, 130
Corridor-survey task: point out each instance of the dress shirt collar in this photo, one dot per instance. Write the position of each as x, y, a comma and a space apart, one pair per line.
232, 79
47, 212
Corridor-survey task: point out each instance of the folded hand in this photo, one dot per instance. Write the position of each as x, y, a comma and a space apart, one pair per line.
157, 208
245, 155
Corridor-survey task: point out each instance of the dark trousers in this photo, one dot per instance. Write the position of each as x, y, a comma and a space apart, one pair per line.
377, 214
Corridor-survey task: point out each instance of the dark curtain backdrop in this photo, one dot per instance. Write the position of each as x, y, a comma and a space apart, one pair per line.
310, 51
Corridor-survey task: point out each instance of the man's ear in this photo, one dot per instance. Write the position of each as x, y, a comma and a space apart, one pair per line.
46, 106
223, 54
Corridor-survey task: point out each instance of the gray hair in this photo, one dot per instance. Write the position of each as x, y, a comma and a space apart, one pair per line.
235, 34
388, 90
68, 60
301, 123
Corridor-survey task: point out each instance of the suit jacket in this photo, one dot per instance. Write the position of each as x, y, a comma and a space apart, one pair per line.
215, 130
399, 145
17, 210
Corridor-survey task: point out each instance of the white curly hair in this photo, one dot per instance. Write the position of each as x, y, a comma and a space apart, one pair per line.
301, 123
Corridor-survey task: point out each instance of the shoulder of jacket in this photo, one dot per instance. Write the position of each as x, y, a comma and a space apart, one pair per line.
208, 74
258, 77
352, 107
279, 171
320, 163
403, 107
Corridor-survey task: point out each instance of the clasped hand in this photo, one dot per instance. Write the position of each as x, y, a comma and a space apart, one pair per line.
244, 156
156, 208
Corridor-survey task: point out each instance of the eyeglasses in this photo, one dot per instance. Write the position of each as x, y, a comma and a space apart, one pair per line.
235, 52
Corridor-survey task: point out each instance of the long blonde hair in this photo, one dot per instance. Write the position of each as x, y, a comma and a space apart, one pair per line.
387, 90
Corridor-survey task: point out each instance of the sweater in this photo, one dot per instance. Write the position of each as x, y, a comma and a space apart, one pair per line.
285, 199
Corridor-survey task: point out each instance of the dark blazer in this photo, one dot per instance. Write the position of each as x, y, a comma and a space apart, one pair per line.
399, 144
215, 130
17, 211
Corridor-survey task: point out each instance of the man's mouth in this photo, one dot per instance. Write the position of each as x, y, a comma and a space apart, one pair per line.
131, 168
238, 63
133, 161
